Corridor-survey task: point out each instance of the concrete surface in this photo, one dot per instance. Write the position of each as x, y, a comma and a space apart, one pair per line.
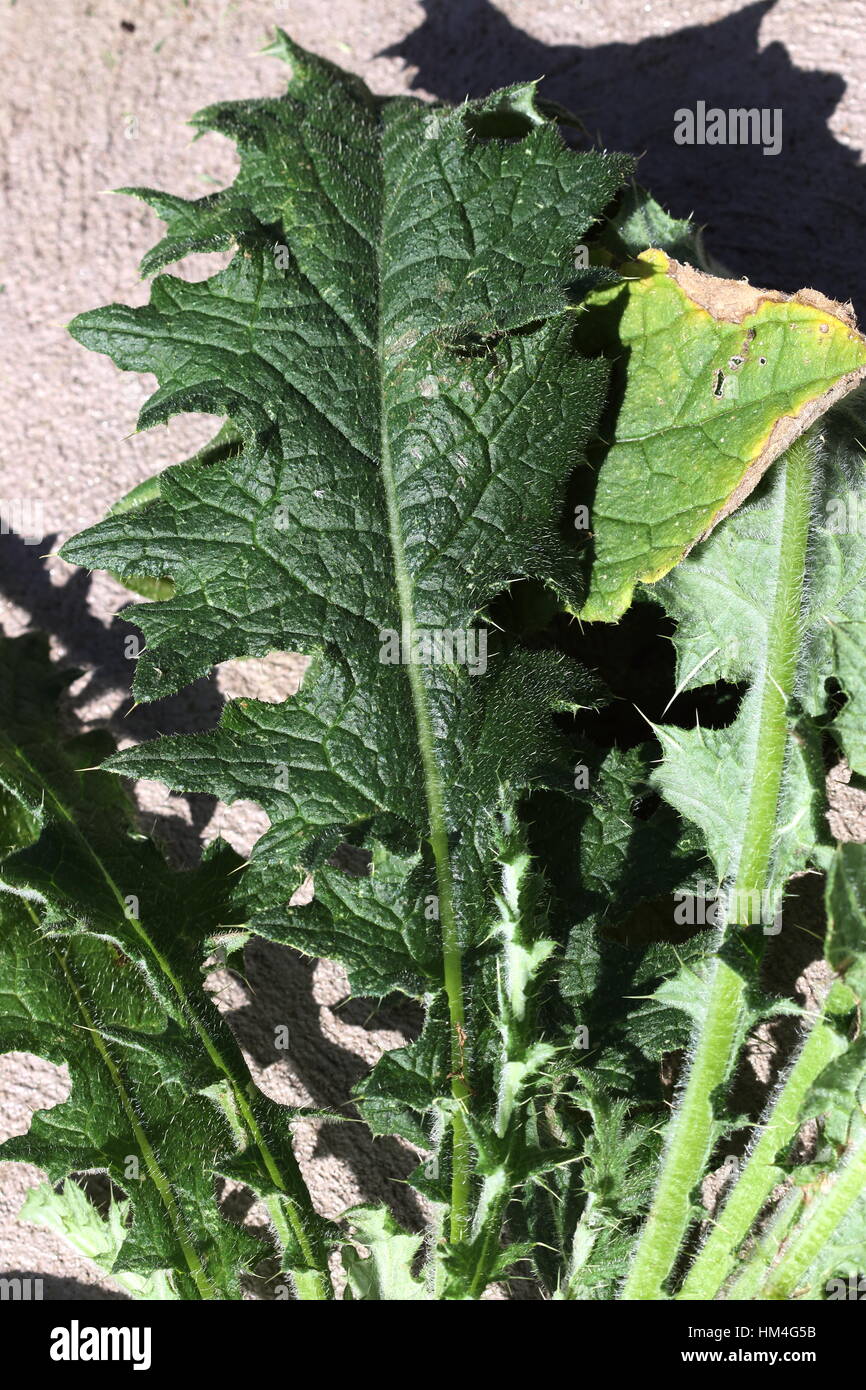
96, 95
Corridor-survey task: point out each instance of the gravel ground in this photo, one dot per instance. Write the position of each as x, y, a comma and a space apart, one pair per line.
97, 95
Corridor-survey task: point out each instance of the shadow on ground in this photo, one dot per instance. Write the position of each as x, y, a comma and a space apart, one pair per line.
785, 220
55, 1287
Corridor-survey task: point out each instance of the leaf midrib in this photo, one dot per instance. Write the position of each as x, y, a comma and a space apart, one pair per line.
452, 956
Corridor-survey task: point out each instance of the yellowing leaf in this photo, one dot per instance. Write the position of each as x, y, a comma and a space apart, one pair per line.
717, 378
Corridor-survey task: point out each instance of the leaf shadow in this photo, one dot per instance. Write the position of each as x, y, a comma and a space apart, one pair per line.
282, 993
99, 649
628, 93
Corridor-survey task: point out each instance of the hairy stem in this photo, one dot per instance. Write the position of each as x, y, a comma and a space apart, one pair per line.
690, 1135
524, 952
822, 1217
753, 1269
716, 1259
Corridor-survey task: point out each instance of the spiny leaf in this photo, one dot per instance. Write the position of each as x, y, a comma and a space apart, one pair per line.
722, 598
615, 1182
405, 1084
615, 872
385, 1274
838, 1094
69, 1211
845, 946
99, 967
392, 341
638, 221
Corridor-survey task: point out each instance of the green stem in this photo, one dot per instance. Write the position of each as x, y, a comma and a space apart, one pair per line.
487, 1227
690, 1135
586, 1234
717, 1257
753, 1269
452, 955
523, 955
822, 1217
690, 1139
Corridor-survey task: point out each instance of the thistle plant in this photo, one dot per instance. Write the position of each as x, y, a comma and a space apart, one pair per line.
483, 406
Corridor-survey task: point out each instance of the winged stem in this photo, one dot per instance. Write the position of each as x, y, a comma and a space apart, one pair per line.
692, 1126
716, 1258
